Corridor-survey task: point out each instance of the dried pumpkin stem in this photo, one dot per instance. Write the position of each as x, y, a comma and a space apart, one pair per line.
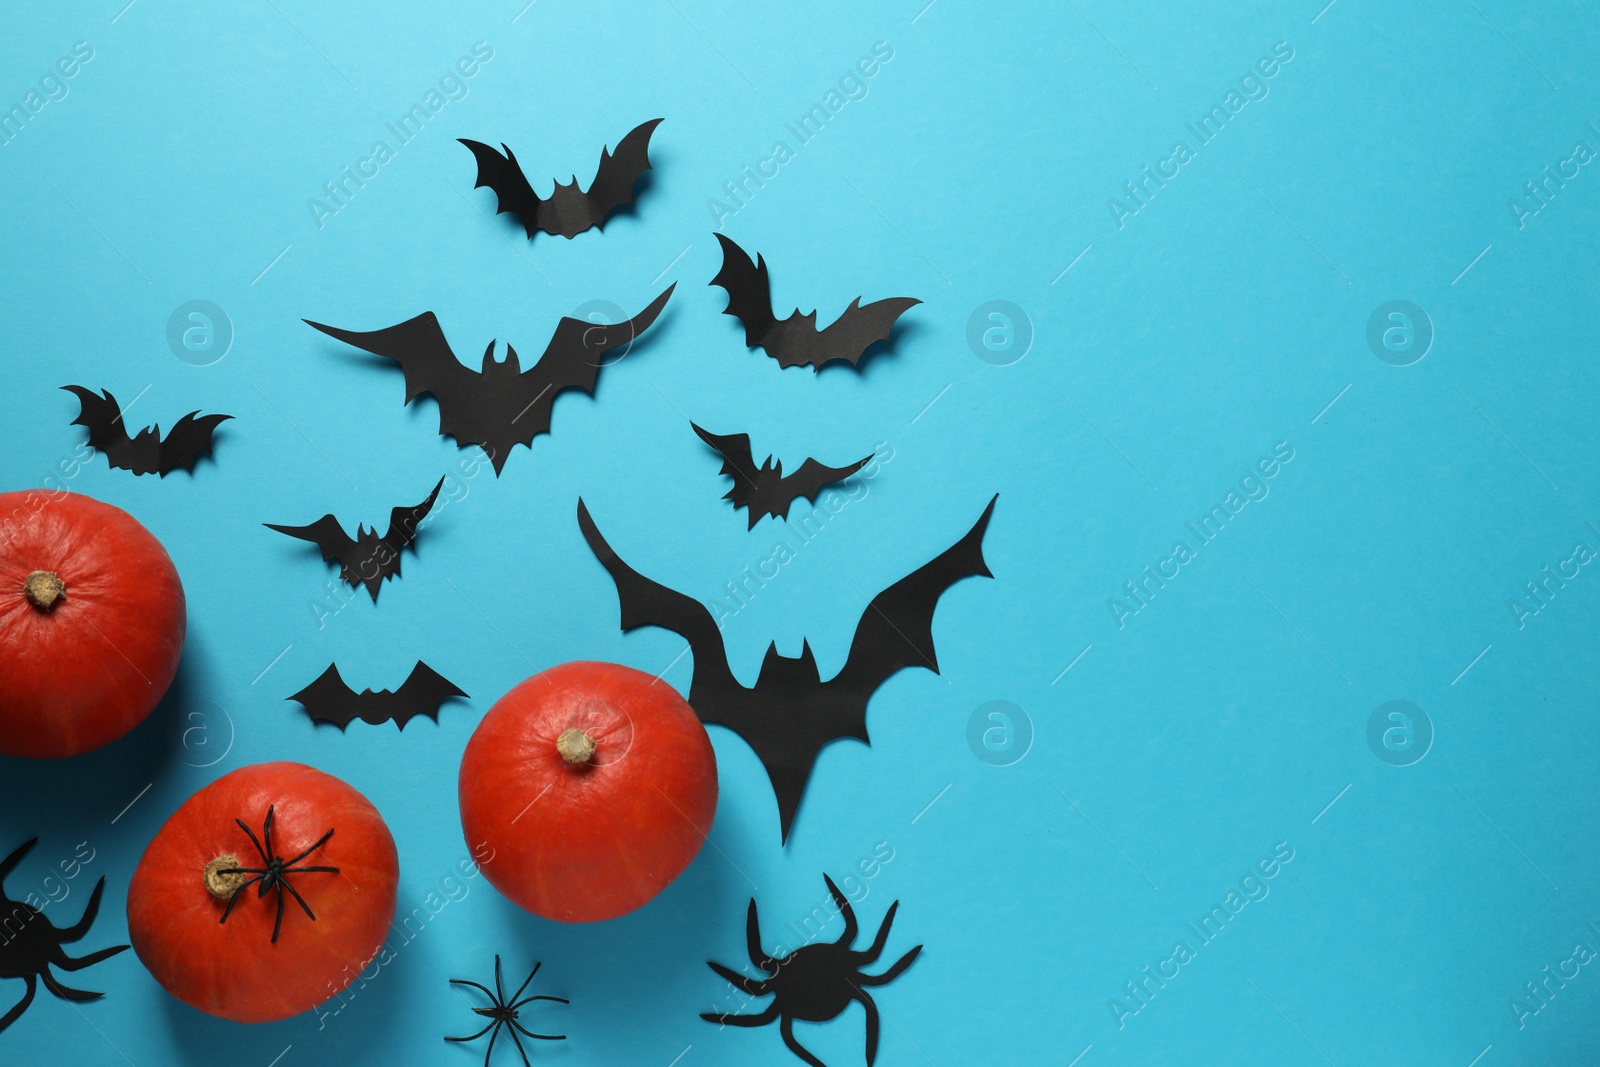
43, 589
576, 746
222, 886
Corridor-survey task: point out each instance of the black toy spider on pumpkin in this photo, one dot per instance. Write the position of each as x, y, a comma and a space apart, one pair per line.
274, 877
504, 1012
814, 983
30, 944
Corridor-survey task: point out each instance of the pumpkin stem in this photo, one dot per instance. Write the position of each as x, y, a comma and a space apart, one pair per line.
43, 589
576, 746
223, 886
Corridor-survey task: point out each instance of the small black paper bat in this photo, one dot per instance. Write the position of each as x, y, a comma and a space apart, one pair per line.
147, 452
501, 405
329, 699
365, 559
567, 211
767, 490
795, 341
791, 713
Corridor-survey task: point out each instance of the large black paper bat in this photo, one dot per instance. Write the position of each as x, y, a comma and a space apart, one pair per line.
365, 559
501, 405
791, 713
147, 452
329, 699
766, 490
567, 211
795, 341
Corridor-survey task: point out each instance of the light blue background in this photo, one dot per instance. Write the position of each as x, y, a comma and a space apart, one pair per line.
1221, 319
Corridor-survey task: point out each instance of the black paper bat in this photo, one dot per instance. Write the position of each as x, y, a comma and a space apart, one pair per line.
567, 211
329, 699
795, 340
791, 713
767, 490
147, 452
501, 405
365, 559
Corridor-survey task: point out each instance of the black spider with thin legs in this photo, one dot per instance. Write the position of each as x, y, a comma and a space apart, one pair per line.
30, 944
505, 1011
814, 983
275, 875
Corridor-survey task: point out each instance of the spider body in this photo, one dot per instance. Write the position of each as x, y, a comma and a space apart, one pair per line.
30, 944
814, 983
505, 1012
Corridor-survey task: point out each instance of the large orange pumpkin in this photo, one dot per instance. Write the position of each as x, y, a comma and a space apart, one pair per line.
91, 623
588, 787
223, 938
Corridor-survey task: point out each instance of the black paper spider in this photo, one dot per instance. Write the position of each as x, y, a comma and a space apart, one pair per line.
275, 875
29, 943
814, 983
505, 1012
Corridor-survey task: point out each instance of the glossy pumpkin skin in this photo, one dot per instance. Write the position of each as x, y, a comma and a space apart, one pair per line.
91, 667
233, 970
588, 841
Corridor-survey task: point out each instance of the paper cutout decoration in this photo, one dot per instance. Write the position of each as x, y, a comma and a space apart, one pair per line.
791, 713
816, 982
273, 875
30, 945
505, 1012
567, 211
147, 452
796, 341
501, 405
330, 699
365, 559
767, 490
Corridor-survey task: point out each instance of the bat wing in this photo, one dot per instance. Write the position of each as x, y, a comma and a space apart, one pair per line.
572, 360
860, 327
187, 441
806, 482
648, 603
738, 463
430, 366
329, 699
569, 212
403, 521
749, 292
896, 630
326, 533
102, 416
421, 694
511, 189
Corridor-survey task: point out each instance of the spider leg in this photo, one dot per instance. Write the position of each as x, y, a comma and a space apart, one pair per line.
786, 1028
475, 985
475, 1036
492, 1038
529, 1000
278, 923
27, 998
499, 987
76, 931
849, 914
286, 884
9, 864
872, 1024
524, 985
65, 992
234, 899
731, 1019
541, 1037
871, 955
752, 937
512, 1031
323, 840
67, 963
754, 986
265, 858
893, 972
